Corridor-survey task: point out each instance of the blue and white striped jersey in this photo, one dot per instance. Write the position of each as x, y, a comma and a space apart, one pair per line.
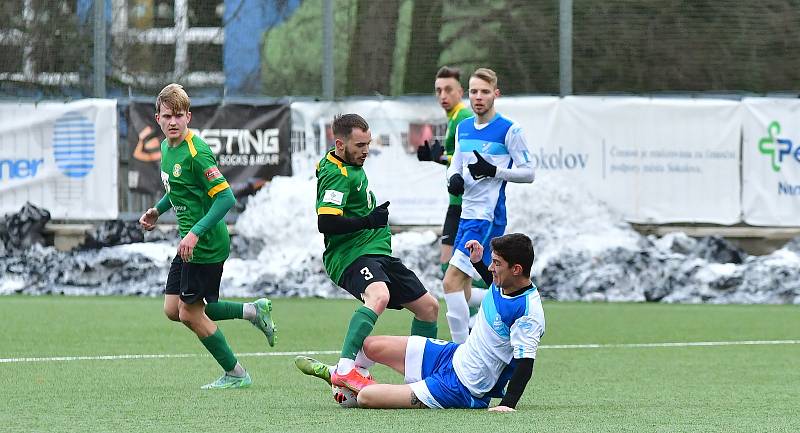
502, 143
506, 328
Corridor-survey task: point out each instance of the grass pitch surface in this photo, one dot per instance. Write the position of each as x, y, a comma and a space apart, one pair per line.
69, 364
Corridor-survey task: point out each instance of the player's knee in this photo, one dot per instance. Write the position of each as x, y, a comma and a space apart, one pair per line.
367, 398
185, 317
370, 346
430, 309
382, 301
377, 300
172, 314
450, 284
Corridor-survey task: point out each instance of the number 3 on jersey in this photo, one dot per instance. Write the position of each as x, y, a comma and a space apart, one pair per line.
366, 273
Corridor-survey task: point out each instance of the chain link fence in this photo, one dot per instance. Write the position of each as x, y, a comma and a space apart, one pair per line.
394, 47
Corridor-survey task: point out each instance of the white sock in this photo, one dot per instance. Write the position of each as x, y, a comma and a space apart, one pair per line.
363, 361
249, 311
457, 316
477, 296
345, 365
237, 371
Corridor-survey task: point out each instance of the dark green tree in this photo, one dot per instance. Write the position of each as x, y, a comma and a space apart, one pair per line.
369, 65
422, 59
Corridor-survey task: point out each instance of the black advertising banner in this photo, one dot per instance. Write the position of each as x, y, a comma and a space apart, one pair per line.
251, 144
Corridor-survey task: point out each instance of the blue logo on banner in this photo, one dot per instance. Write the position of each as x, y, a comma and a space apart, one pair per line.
73, 144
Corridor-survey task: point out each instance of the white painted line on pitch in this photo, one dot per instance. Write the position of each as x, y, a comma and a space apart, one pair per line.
679, 344
332, 352
159, 356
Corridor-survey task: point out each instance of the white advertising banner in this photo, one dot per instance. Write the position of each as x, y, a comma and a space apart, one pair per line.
771, 161
654, 160
61, 157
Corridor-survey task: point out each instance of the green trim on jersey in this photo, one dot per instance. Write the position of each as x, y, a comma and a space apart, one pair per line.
191, 178
454, 117
343, 189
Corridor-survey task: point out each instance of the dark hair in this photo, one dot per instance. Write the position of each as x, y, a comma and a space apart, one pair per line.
448, 72
343, 124
516, 249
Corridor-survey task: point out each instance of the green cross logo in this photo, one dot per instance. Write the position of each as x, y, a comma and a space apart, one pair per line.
773, 146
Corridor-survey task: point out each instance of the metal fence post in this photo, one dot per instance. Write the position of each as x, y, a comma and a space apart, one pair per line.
99, 69
565, 47
327, 50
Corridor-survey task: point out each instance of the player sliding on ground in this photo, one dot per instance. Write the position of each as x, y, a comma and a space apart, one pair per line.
201, 197
358, 248
502, 345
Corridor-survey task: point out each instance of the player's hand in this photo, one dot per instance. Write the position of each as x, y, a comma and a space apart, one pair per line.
437, 150
501, 409
455, 185
424, 152
475, 251
431, 152
186, 247
379, 217
481, 168
149, 218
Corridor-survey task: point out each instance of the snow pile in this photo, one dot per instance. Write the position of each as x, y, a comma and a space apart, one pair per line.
584, 251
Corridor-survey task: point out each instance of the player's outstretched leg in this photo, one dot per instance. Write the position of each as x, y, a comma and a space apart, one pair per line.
263, 320
312, 367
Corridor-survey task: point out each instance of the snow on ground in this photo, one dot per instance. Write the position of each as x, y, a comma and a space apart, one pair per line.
584, 251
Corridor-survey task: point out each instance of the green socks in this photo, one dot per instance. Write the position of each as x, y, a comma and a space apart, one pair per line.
423, 329
224, 310
219, 349
361, 325
444, 267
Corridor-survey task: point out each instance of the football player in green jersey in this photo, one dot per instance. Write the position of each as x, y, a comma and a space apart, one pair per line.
358, 248
201, 197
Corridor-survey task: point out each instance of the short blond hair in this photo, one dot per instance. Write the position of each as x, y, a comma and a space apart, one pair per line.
174, 97
487, 75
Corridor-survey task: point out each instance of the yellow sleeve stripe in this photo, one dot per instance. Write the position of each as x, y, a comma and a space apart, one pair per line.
217, 188
329, 211
338, 163
192, 149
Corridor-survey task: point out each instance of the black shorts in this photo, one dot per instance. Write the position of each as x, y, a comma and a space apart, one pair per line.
404, 286
450, 227
194, 281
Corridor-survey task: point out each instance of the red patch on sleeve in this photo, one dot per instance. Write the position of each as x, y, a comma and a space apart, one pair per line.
213, 173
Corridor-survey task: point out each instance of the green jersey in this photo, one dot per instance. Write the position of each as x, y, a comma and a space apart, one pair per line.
191, 178
343, 189
454, 117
